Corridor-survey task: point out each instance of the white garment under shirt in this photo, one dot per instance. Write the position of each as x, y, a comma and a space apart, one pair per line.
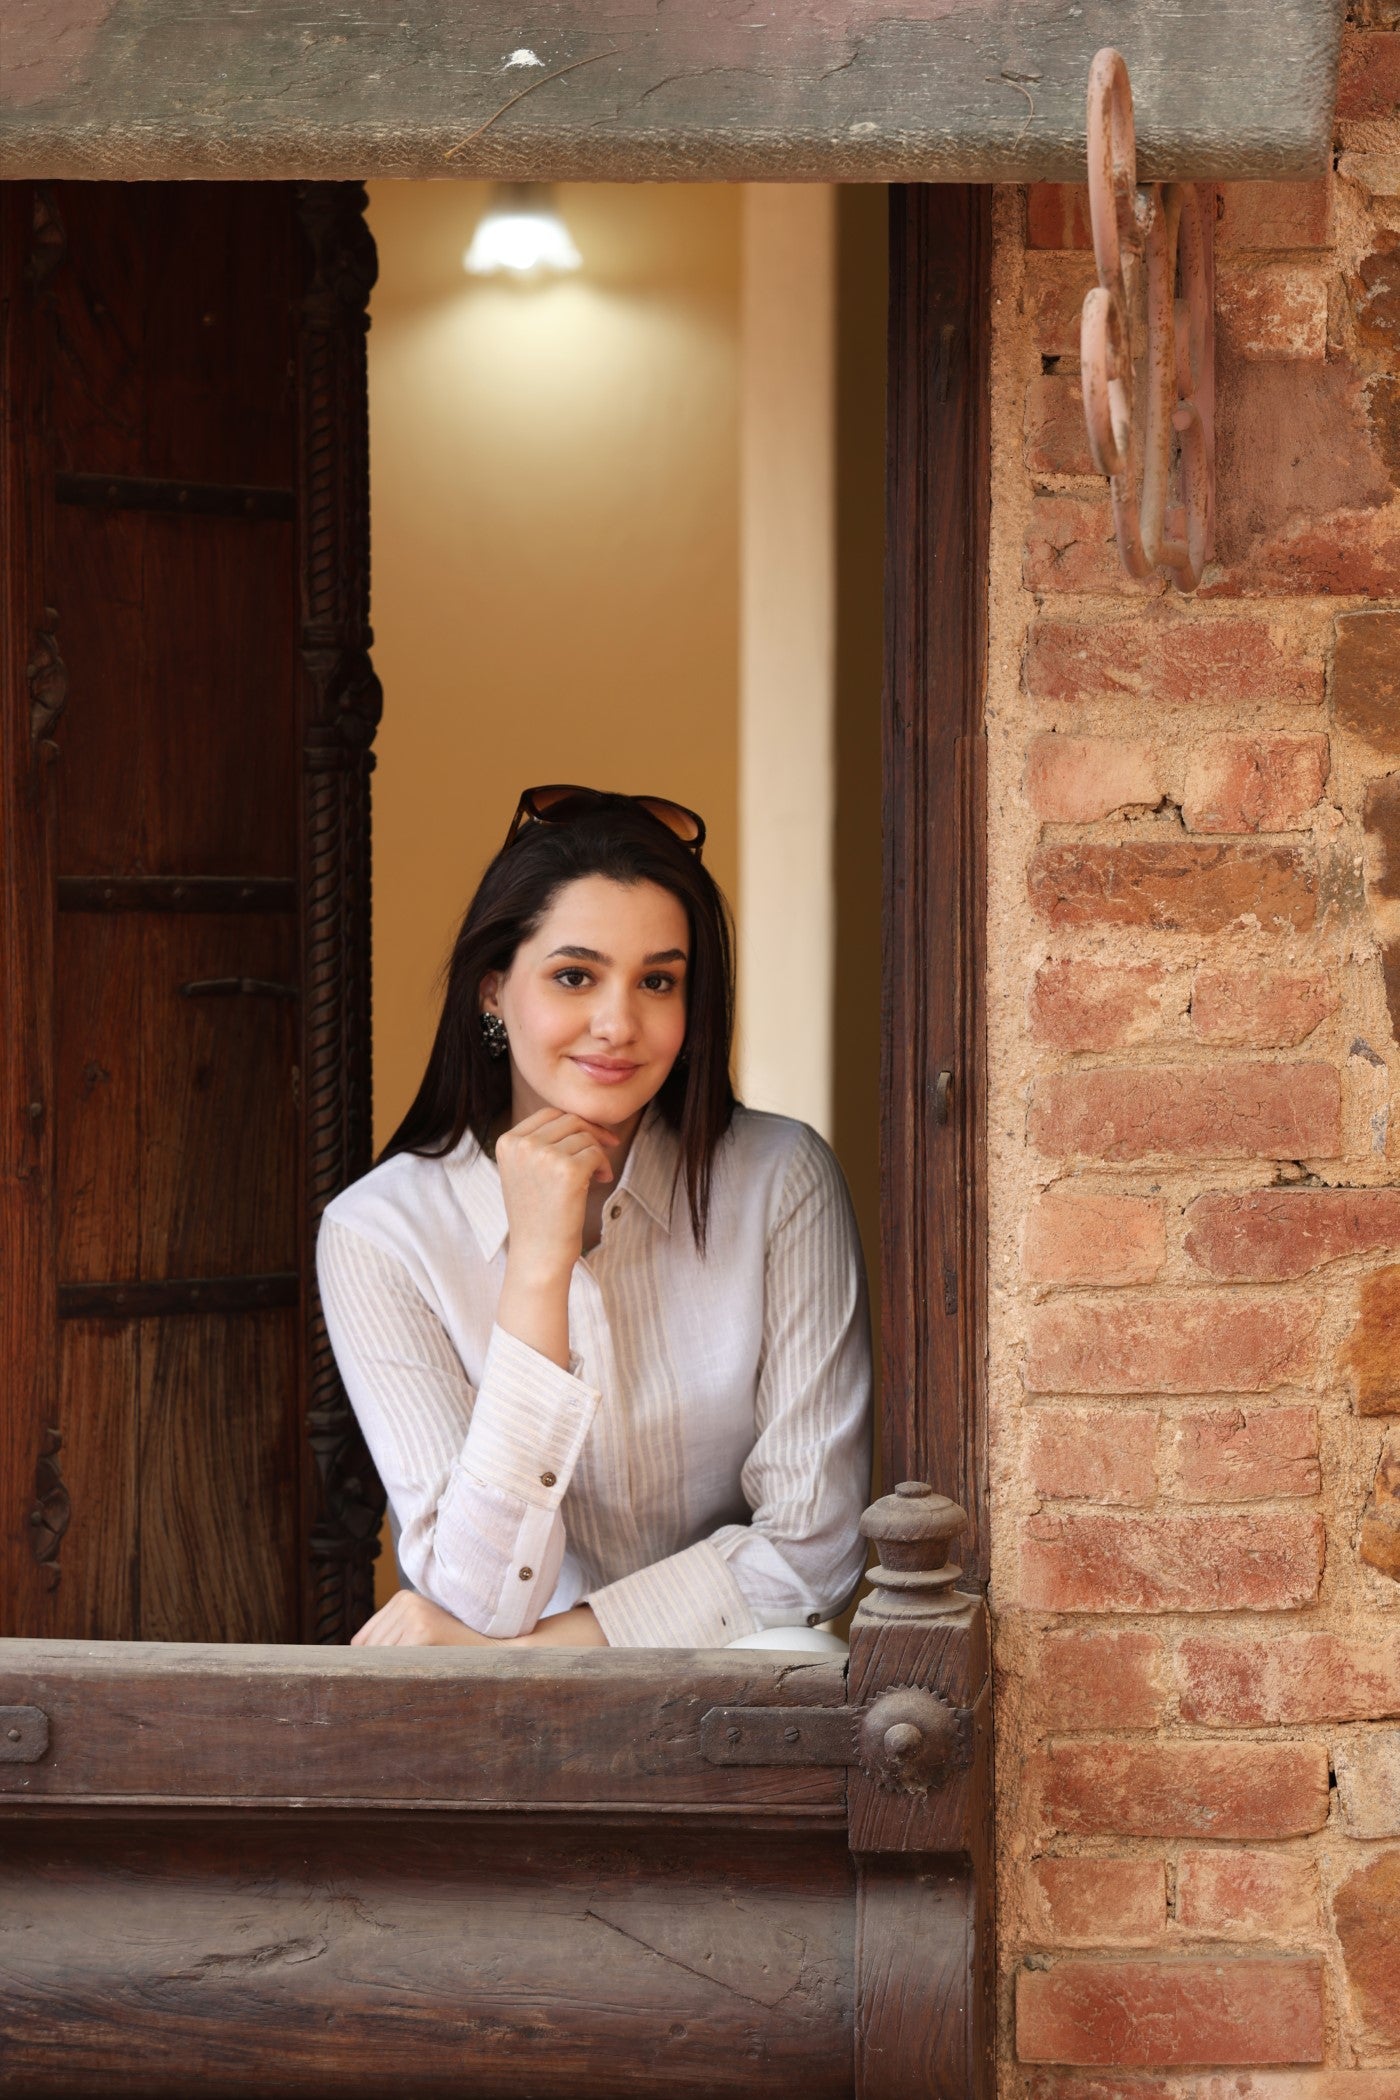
698, 1473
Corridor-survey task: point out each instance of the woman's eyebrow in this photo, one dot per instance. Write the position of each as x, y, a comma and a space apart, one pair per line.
593, 955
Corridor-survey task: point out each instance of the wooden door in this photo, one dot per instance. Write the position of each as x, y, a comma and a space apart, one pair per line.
188, 706
554, 1873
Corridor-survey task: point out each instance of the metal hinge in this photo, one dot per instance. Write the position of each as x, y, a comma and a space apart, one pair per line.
24, 1734
909, 1738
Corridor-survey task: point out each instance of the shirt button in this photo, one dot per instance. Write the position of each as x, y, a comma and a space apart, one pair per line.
526, 1574
812, 1619
547, 1480
616, 1211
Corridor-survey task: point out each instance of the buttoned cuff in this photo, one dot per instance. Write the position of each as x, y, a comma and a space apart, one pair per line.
689, 1600
528, 1423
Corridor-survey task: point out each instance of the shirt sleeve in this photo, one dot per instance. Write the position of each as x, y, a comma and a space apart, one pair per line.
807, 1478
475, 1477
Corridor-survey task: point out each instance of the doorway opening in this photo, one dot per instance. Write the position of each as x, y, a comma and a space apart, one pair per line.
627, 527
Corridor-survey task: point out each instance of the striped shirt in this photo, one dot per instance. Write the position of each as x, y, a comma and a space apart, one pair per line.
698, 1472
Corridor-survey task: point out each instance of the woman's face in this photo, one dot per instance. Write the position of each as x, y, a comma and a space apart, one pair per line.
594, 1002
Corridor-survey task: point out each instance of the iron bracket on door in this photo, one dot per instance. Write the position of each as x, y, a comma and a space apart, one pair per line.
909, 1738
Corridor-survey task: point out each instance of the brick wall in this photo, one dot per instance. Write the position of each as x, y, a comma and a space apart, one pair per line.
1194, 1011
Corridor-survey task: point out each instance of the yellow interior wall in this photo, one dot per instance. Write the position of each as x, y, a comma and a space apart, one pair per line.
554, 474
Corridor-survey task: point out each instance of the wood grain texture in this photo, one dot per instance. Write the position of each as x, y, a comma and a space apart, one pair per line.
26, 916
98, 1597
459, 1727
521, 1960
933, 1221
993, 91
218, 1452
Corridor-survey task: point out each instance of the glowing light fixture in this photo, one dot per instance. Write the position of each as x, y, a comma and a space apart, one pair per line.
521, 235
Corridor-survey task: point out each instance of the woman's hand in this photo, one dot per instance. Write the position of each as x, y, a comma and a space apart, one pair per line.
410, 1621
548, 1163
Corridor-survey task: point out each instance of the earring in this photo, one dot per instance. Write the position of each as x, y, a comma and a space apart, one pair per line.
493, 1034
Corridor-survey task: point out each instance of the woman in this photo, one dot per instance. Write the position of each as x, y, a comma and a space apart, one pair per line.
605, 1329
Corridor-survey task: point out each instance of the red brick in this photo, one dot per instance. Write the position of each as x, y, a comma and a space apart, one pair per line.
1057, 441
1232, 1895
1169, 658
1232, 2011
1369, 81
1379, 1544
1269, 1235
1266, 1009
1254, 783
1077, 779
1057, 215
1255, 215
1177, 1560
1096, 1902
1372, 1352
1091, 1456
1052, 299
1286, 1679
1098, 1006
1366, 676
1365, 1909
1080, 1236
1197, 1342
1091, 1677
1185, 887
1368, 1781
1237, 1111
1070, 546
1224, 1454
1324, 551
1242, 1791
1275, 310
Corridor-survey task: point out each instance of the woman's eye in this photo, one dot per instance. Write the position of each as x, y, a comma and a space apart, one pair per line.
660, 983
571, 979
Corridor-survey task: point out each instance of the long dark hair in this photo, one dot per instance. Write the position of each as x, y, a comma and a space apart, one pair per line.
464, 1088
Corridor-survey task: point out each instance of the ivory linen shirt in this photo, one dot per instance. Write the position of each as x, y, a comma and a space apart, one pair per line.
699, 1471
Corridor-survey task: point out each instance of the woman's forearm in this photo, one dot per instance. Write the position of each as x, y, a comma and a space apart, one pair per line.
565, 1629
534, 1307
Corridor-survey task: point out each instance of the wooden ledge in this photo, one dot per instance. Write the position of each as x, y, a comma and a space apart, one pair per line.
602, 90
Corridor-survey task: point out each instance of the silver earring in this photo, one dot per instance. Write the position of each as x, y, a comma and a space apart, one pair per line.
493, 1034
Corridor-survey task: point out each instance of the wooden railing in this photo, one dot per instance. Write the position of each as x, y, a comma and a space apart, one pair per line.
401, 1872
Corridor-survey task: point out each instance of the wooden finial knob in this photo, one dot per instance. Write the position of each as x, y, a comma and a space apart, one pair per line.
913, 1530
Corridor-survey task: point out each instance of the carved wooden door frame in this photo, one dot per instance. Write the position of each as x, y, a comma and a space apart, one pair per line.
933, 1052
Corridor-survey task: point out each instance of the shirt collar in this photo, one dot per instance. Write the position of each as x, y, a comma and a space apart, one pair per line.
649, 1178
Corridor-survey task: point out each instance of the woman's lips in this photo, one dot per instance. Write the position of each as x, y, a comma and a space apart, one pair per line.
605, 1074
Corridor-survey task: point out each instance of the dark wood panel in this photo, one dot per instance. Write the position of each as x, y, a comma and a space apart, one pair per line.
99, 332
220, 380
218, 1109
461, 1727
97, 583
96, 1594
862, 91
220, 779
26, 876
522, 1961
99, 1051
217, 1524
933, 1172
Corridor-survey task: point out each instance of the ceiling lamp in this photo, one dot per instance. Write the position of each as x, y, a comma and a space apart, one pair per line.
521, 235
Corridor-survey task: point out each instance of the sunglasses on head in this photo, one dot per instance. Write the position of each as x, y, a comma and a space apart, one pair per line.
562, 804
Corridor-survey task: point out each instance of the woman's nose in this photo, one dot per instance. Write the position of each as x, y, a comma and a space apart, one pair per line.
614, 1021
